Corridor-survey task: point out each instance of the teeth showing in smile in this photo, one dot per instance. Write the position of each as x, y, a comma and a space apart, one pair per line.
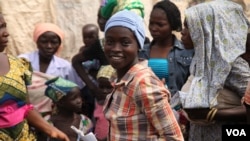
116, 57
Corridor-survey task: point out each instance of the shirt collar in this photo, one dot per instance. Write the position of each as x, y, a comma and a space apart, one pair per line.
177, 43
128, 77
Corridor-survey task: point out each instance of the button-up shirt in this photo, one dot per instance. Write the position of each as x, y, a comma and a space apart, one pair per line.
179, 60
138, 108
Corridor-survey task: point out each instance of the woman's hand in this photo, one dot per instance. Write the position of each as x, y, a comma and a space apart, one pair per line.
55, 133
36, 120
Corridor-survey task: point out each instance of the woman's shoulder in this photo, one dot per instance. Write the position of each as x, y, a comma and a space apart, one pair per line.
29, 56
61, 61
20, 61
141, 70
180, 49
144, 52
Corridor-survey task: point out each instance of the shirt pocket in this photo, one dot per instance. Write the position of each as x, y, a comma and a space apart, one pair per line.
184, 60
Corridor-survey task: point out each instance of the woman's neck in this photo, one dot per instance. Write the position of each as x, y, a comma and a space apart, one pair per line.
44, 59
123, 71
44, 63
164, 43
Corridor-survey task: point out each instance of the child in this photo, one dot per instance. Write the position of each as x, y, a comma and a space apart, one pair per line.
103, 78
87, 63
90, 34
68, 103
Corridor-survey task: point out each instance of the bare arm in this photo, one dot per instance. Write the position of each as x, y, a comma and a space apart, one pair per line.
155, 97
36, 120
233, 114
77, 64
236, 114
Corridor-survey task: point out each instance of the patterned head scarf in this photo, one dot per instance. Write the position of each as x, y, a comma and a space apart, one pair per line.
58, 87
129, 20
44, 27
218, 30
106, 72
110, 7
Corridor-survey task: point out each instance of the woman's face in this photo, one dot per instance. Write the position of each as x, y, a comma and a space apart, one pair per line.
121, 48
159, 25
48, 44
186, 38
3, 34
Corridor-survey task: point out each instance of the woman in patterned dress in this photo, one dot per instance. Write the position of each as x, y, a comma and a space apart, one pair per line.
217, 31
16, 113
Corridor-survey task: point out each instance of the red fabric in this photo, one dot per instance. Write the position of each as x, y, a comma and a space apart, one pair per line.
102, 125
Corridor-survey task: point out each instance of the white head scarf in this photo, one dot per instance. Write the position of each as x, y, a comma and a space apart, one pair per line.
218, 30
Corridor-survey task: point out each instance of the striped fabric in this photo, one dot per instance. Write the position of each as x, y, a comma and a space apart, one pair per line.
138, 108
13, 98
159, 67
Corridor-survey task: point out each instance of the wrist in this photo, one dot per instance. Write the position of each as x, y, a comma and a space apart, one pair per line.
211, 114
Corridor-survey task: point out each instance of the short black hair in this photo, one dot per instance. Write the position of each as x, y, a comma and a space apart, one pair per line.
172, 12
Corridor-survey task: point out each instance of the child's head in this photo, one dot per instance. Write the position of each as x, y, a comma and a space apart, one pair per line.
103, 77
90, 33
65, 94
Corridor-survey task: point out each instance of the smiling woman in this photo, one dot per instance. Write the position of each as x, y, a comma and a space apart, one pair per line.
139, 100
121, 50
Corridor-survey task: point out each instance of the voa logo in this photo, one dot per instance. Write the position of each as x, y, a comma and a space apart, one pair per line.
236, 132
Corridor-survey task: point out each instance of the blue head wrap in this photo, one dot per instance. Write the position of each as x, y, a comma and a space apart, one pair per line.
130, 20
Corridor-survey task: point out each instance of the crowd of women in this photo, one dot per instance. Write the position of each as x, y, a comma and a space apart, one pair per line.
123, 88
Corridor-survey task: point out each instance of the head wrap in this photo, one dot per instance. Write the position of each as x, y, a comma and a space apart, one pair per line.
110, 7
58, 87
129, 20
106, 72
103, 2
218, 30
41, 28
